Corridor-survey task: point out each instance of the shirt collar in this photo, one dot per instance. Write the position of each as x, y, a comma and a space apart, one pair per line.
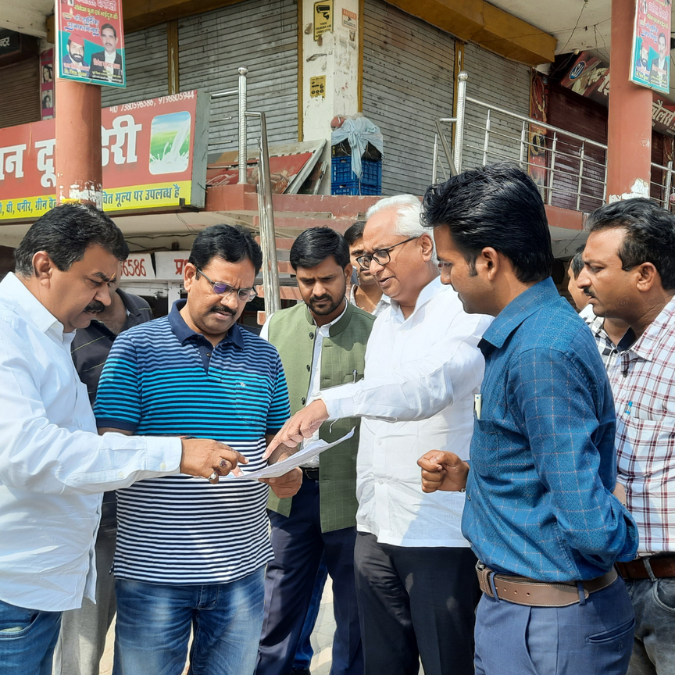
31, 308
426, 294
384, 299
183, 332
657, 330
519, 309
129, 305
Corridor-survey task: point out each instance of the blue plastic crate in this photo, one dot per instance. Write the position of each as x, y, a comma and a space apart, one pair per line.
348, 189
342, 174
371, 174
370, 189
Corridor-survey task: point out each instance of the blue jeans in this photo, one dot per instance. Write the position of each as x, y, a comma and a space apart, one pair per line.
154, 623
654, 646
27, 640
595, 638
304, 651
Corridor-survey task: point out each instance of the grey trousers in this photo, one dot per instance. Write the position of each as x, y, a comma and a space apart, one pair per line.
82, 639
654, 646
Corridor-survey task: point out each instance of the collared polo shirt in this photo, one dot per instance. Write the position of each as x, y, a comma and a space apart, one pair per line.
163, 378
543, 466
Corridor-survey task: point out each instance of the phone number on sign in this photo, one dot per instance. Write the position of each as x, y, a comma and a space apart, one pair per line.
134, 268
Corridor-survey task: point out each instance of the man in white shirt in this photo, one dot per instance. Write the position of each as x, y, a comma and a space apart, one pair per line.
415, 574
54, 467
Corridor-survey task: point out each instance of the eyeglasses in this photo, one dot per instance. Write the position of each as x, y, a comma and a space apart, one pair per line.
221, 288
381, 256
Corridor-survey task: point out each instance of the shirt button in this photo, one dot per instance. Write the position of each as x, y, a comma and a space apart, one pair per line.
381, 482
468, 497
308, 368
120, 474
162, 467
303, 400
311, 336
209, 354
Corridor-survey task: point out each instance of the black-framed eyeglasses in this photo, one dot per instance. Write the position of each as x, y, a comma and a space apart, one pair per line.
221, 288
381, 256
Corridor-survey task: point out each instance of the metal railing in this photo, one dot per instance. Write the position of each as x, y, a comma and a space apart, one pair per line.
270, 269
571, 170
661, 185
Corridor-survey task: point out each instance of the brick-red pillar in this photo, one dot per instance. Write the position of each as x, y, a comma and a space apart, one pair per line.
78, 142
630, 114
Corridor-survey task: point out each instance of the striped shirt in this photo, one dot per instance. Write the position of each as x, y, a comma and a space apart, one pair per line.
163, 378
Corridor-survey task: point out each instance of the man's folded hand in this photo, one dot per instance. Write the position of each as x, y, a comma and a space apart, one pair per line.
443, 471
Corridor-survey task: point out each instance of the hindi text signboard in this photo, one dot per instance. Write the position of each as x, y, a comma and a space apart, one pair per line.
90, 41
650, 60
171, 264
154, 156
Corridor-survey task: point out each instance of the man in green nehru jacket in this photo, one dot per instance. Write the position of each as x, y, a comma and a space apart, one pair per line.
322, 344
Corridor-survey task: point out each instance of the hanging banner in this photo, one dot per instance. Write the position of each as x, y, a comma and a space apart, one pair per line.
536, 149
90, 41
589, 77
154, 156
47, 84
650, 64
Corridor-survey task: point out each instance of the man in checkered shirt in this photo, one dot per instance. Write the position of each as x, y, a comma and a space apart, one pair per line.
629, 274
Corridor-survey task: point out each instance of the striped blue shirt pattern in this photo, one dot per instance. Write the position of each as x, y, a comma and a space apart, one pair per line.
162, 378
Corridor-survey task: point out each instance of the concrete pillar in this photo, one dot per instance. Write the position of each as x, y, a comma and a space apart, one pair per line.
630, 115
334, 56
78, 143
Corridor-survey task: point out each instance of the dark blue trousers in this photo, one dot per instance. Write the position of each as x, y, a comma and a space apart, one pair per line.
595, 638
299, 545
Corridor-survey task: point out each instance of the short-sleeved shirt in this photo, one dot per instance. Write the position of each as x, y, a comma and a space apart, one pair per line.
162, 378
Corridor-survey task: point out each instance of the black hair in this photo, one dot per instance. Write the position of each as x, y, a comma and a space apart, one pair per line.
663, 35
65, 233
355, 232
229, 242
650, 234
108, 25
577, 262
495, 206
316, 244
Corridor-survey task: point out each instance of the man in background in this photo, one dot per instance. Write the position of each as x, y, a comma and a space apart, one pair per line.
365, 292
83, 631
322, 344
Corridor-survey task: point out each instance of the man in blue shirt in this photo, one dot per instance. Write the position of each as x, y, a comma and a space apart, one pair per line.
191, 555
540, 514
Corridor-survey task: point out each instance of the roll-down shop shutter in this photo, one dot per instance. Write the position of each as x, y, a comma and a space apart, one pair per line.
499, 82
408, 70
146, 68
21, 93
261, 35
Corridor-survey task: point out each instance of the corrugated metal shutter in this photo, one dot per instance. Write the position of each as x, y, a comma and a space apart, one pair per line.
497, 81
261, 35
21, 93
146, 67
572, 112
407, 84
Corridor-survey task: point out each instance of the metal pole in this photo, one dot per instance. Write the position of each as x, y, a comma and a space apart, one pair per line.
669, 177
486, 142
459, 129
523, 136
581, 173
552, 169
435, 161
268, 241
242, 125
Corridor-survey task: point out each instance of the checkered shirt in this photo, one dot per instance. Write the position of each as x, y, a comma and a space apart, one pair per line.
608, 350
643, 383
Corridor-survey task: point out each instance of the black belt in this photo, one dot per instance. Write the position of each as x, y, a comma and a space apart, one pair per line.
310, 473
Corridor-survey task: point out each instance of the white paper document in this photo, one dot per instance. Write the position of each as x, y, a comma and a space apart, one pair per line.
295, 460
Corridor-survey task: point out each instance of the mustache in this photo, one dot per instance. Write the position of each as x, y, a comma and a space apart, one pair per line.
222, 309
95, 306
589, 293
320, 298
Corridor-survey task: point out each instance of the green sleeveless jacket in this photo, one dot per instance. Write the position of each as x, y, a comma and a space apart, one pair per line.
292, 332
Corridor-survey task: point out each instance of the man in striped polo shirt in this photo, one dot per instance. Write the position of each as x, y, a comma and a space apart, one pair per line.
191, 554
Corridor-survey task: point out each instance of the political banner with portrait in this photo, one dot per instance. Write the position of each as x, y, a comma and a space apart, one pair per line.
90, 41
650, 61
